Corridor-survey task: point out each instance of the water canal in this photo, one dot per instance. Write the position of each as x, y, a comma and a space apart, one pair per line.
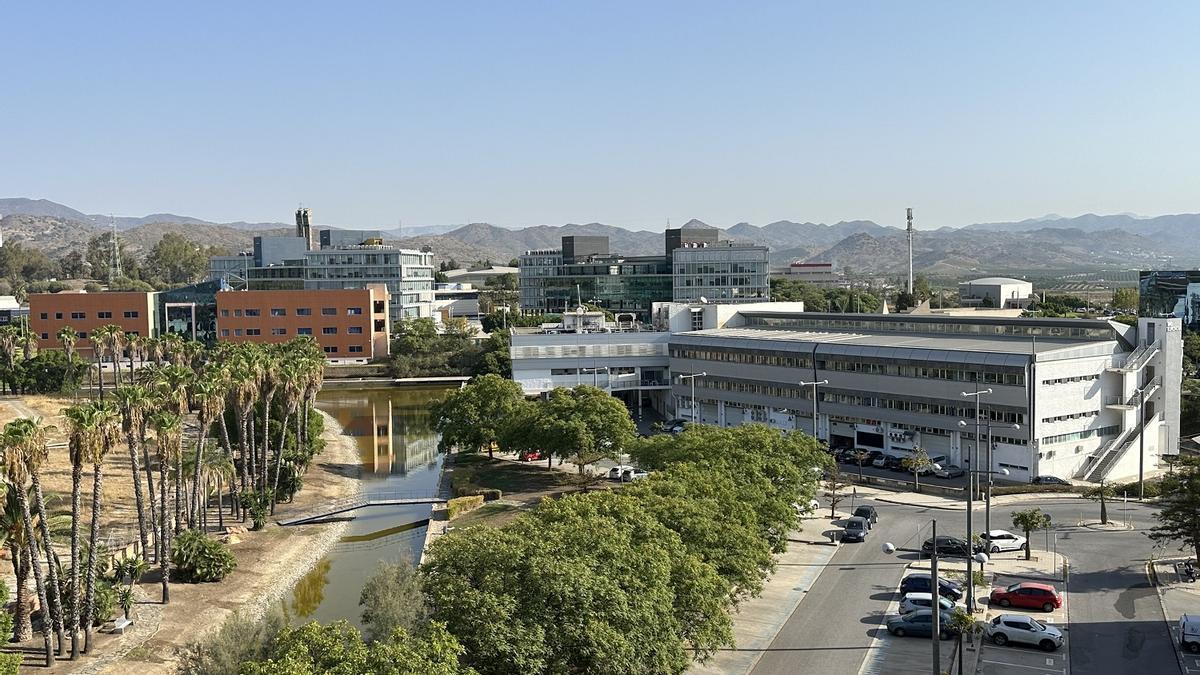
397, 450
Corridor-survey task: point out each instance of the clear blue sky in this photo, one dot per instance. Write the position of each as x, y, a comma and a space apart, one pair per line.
627, 113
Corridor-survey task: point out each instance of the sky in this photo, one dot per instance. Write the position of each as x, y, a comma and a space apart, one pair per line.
627, 113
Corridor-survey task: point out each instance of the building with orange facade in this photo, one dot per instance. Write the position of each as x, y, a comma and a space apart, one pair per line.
85, 312
347, 323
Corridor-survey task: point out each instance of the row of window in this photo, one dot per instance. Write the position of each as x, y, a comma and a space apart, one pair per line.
1081, 435
1072, 416
83, 334
326, 330
353, 349
1077, 378
300, 311
1083, 331
131, 314
1009, 377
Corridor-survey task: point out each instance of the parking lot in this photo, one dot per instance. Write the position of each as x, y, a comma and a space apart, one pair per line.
1014, 659
889, 654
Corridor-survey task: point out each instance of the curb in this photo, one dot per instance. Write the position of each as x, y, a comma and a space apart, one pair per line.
1152, 577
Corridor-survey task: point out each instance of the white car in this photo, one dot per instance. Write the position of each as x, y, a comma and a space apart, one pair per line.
615, 472
1003, 540
629, 475
1008, 628
917, 600
806, 509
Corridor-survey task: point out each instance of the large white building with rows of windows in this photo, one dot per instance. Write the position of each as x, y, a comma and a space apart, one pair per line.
1066, 395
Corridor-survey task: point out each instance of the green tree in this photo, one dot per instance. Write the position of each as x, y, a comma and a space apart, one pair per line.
784, 289
917, 462
1028, 521
470, 418
583, 424
1179, 507
338, 649
860, 457
177, 260
1125, 300
392, 598
834, 488
1101, 493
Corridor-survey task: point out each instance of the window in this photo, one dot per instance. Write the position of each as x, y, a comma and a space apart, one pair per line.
131, 314
224, 312
237, 312
353, 311
45, 336
45, 315
329, 311
253, 331
82, 334
354, 330
278, 311
355, 349
329, 330
303, 331
237, 332
103, 315
330, 350
304, 311
253, 312
58, 315
278, 331
224, 332
78, 315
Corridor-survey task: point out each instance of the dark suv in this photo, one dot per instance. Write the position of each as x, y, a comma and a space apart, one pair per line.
950, 546
920, 583
868, 513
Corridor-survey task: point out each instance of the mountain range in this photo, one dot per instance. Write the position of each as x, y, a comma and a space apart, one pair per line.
1090, 241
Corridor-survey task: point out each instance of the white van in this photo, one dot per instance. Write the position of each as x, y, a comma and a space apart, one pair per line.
1189, 632
934, 460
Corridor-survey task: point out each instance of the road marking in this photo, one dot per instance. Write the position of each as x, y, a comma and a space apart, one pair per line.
1020, 665
1049, 661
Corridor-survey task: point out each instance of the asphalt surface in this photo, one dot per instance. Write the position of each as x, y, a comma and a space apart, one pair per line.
1117, 625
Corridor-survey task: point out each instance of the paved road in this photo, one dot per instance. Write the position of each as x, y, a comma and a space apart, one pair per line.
1117, 625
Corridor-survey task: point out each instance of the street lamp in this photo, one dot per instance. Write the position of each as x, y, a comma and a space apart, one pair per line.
989, 472
936, 591
816, 384
971, 497
692, 377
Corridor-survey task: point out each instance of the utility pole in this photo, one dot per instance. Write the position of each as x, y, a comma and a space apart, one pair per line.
115, 268
910, 252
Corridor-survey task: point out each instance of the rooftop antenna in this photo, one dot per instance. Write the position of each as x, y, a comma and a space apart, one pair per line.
910, 252
115, 267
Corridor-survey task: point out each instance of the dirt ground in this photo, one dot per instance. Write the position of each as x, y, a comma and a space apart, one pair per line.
523, 484
269, 562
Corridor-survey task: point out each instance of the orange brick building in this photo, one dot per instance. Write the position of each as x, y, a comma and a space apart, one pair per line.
85, 312
348, 324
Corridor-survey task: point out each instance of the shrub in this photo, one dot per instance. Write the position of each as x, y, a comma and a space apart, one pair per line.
198, 557
491, 494
258, 504
1031, 488
239, 640
460, 505
10, 664
6, 621
392, 599
106, 602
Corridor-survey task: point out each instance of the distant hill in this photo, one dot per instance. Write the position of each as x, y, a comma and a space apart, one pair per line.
1089, 241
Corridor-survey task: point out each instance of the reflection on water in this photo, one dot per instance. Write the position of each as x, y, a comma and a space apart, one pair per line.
397, 451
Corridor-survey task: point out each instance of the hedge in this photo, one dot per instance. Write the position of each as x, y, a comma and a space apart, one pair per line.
490, 494
1031, 488
10, 663
460, 505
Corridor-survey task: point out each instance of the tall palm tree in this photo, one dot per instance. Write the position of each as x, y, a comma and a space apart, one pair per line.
134, 346
216, 468
134, 402
67, 337
167, 426
12, 530
15, 443
107, 431
32, 436
27, 340
209, 394
102, 338
292, 376
270, 383
82, 433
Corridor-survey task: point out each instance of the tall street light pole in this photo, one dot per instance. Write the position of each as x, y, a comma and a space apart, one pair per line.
692, 377
818, 383
1141, 422
971, 500
987, 509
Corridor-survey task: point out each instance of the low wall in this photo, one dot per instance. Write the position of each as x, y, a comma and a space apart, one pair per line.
903, 485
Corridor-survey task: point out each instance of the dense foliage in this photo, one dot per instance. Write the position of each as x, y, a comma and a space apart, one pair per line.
581, 424
420, 350
1179, 507
199, 558
338, 649
392, 598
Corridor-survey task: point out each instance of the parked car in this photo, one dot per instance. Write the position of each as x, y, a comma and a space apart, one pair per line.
920, 624
921, 582
1028, 595
1003, 540
806, 509
530, 455
894, 464
847, 456
881, 461
1049, 480
869, 513
1008, 628
911, 602
951, 471
1189, 632
950, 546
615, 472
630, 475
855, 529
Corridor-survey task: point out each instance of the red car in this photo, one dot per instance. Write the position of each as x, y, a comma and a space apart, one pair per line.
1028, 595
529, 456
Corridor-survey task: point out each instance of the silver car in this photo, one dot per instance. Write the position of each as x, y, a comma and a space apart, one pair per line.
1008, 628
918, 600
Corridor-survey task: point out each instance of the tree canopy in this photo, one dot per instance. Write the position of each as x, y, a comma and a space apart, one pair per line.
470, 418
1179, 507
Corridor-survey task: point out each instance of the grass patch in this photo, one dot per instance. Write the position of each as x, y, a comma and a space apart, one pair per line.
494, 514
479, 472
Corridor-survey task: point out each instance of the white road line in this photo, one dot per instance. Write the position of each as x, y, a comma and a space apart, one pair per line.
1019, 665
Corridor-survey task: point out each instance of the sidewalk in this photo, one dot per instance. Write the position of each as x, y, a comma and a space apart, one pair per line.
1042, 566
758, 620
1177, 597
954, 504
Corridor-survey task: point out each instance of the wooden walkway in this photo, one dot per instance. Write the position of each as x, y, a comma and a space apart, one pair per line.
366, 500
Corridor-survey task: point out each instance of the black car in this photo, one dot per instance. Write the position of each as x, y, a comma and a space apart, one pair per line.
952, 546
1049, 480
894, 464
847, 456
867, 512
920, 583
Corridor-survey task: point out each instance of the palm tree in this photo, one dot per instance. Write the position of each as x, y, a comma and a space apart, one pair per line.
27, 340
8, 347
16, 441
209, 394
134, 346
269, 385
102, 338
32, 436
292, 376
167, 427
107, 430
67, 337
135, 402
12, 530
82, 433
216, 468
